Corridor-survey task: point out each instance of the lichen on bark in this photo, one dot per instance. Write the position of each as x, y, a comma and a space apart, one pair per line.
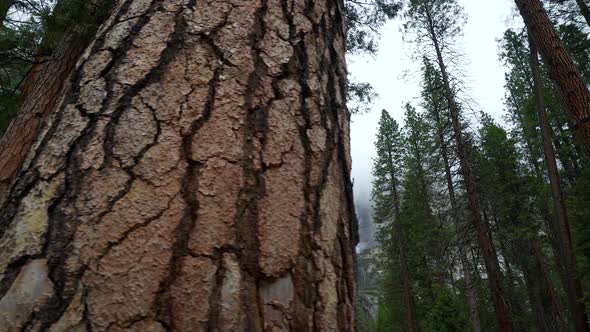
196, 176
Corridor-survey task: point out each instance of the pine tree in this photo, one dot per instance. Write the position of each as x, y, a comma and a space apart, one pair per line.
436, 23
387, 201
504, 193
435, 106
364, 20
574, 287
52, 45
426, 235
562, 69
525, 114
193, 176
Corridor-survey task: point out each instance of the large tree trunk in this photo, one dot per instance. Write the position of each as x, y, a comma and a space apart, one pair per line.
573, 285
561, 67
482, 228
194, 176
42, 91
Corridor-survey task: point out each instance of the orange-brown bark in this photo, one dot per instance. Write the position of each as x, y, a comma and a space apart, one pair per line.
560, 65
195, 176
42, 91
573, 285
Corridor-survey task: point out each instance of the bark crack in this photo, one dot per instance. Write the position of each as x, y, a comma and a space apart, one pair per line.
132, 229
189, 191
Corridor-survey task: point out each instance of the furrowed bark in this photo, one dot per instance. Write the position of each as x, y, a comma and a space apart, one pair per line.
562, 69
42, 92
195, 176
573, 286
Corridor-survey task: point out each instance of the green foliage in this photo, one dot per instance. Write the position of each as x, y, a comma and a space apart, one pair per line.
577, 204
387, 168
499, 177
386, 172
511, 180
439, 19
9, 105
386, 319
408, 155
365, 323
364, 19
391, 310
447, 312
30, 33
360, 96
577, 43
78, 18
15, 61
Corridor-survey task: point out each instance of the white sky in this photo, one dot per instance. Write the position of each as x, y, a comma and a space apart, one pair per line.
396, 78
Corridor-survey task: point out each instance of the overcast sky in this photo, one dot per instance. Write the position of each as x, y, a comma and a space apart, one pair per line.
395, 77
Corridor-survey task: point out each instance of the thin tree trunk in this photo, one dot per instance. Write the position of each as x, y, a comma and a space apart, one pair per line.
465, 268
512, 282
194, 176
408, 294
553, 238
400, 239
571, 153
486, 246
563, 152
533, 156
561, 67
548, 314
534, 292
570, 172
573, 286
560, 324
471, 293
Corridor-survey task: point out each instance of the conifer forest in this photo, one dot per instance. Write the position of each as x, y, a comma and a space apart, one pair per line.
196, 165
